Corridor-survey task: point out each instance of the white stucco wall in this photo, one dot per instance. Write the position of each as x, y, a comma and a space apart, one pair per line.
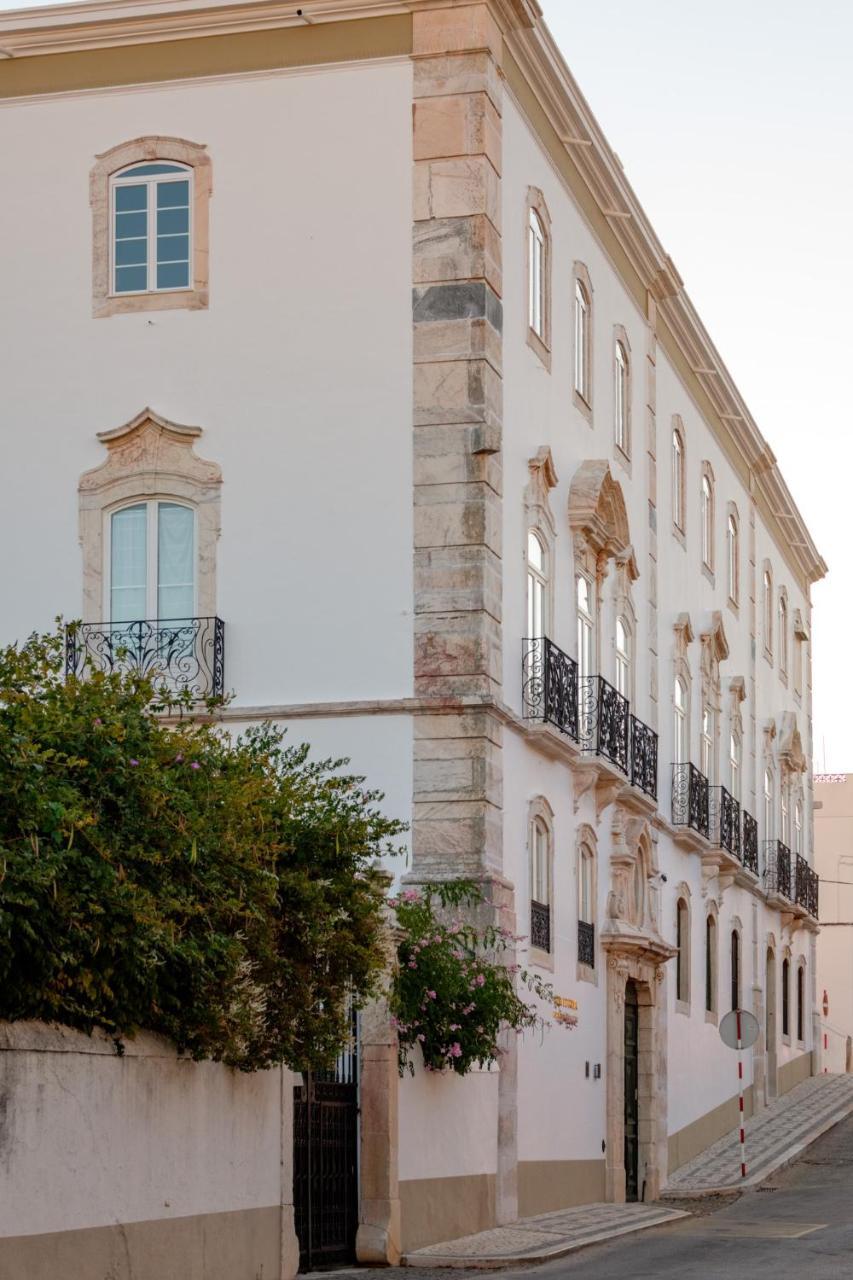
539, 410
299, 373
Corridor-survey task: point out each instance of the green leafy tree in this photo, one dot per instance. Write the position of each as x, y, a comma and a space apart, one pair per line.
163, 876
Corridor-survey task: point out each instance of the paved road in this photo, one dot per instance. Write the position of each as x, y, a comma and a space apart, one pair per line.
802, 1229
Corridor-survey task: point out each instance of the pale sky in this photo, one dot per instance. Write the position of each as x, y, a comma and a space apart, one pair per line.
734, 121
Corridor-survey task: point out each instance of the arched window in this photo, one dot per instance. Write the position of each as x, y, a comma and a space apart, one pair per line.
681, 746
585, 626
151, 562
540, 885
583, 308
710, 964
733, 557
735, 992
678, 479
707, 521
151, 228
734, 765
623, 658
798, 828
786, 997
769, 824
682, 942
621, 400
767, 611
801, 1003
586, 885
783, 633
536, 273
706, 754
537, 586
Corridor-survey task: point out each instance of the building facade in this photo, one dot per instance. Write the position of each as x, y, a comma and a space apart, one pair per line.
339, 335
833, 846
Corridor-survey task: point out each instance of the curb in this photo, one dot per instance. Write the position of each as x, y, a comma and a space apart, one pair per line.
496, 1262
775, 1165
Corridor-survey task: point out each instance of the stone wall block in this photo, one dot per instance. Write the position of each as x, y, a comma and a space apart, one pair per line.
459, 723
467, 124
449, 516
458, 73
458, 186
463, 248
458, 579
462, 644
439, 459
458, 30
457, 391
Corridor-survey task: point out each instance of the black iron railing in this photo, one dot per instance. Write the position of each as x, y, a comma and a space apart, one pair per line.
724, 813
540, 925
690, 799
644, 758
179, 655
603, 721
749, 846
777, 868
549, 683
806, 887
586, 944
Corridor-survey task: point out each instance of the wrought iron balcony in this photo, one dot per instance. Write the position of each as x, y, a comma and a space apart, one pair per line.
750, 843
179, 655
586, 944
806, 886
540, 925
777, 868
603, 721
690, 799
644, 758
724, 814
549, 683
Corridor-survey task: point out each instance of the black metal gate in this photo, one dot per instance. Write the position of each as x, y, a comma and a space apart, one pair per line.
325, 1163
632, 1145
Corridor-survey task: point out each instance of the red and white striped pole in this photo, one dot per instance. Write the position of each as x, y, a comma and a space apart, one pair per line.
740, 1097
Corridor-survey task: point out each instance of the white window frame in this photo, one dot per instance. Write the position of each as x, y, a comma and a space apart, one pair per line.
706, 743
769, 806
733, 557
681, 722
678, 474
707, 521
583, 311
735, 752
124, 178
798, 827
621, 397
623, 657
767, 611
152, 529
537, 249
537, 581
585, 628
782, 622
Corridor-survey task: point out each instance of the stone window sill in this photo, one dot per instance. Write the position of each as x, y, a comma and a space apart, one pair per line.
711, 1016
540, 347
542, 959
683, 1007
583, 405
586, 974
709, 573
679, 536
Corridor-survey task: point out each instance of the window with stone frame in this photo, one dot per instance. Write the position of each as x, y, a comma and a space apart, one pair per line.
801, 1002
682, 942
150, 218
735, 969
537, 585
582, 360
767, 610
622, 393
678, 476
541, 850
733, 556
681, 722
539, 276
710, 963
706, 517
782, 628
786, 997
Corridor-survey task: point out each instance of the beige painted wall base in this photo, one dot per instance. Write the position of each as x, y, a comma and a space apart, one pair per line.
795, 1072
547, 1185
212, 1246
699, 1134
437, 1209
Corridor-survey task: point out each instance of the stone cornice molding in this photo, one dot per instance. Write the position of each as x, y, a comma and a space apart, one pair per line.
790, 751
543, 478
597, 508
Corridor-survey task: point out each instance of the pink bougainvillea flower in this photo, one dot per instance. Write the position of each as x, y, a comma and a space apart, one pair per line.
454, 1026
421, 1036
97, 720
413, 964
480, 980
411, 895
195, 765
431, 995
133, 763
456, 1050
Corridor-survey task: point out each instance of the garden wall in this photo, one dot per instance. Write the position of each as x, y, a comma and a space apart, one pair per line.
144, 1166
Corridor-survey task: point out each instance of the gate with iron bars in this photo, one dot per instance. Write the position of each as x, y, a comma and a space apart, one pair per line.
325, 1163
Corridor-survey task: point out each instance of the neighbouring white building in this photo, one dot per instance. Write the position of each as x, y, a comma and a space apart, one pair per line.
833, 860
342, 325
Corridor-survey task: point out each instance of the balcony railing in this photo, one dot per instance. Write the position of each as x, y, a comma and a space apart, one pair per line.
777, 868
724, 813
644, 758
806, 886
550, 685
750, 843
540, 925
690, 799
586, 944
603, 721
179, 655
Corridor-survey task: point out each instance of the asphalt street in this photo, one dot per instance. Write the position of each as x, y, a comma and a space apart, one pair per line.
797, 1226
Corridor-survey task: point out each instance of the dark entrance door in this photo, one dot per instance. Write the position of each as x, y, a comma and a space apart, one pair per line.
632, 1146
325, 1164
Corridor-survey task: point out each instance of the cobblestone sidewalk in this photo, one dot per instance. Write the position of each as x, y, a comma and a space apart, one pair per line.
550, 1235
773, 1138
